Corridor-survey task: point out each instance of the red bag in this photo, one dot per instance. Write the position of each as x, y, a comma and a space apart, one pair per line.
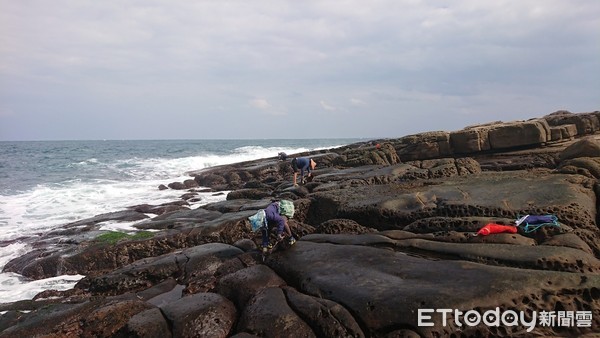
492, 228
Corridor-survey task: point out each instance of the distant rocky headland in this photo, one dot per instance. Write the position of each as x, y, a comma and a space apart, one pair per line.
387, 247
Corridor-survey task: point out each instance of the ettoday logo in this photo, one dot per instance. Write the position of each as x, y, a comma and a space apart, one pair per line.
507, 318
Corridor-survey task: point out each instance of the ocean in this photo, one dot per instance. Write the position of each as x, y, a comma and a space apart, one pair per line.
46, 184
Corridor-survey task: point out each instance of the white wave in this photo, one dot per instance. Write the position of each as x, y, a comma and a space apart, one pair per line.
170, 167
12, 251
13, 287
118, 226
47, 207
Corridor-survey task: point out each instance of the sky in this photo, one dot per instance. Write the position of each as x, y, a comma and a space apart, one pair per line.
178, 69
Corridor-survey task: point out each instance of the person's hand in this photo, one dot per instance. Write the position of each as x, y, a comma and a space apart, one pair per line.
280, 237
295, 184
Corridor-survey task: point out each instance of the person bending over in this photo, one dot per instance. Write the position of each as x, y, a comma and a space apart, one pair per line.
302, 164
277, 214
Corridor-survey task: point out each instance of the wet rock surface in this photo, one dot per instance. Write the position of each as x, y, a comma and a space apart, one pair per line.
387, 229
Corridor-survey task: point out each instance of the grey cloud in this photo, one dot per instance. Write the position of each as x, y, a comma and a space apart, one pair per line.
473, 60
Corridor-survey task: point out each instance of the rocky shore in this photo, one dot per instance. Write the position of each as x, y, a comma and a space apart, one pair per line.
387, 247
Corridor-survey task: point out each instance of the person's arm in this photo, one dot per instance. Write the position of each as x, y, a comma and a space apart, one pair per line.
287, 228
281, 225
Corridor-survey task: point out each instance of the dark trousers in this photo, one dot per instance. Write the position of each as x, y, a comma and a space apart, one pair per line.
265, 235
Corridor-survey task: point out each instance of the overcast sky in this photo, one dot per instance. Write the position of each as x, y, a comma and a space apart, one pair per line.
170, 69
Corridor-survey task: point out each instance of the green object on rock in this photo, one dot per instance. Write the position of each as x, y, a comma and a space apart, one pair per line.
113, 237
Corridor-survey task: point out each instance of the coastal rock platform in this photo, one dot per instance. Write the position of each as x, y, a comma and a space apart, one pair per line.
388, 246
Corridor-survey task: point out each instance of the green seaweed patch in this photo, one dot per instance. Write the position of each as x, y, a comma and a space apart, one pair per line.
113, 237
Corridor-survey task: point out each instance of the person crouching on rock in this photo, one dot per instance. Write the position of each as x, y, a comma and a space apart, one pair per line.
301, 164
277, 215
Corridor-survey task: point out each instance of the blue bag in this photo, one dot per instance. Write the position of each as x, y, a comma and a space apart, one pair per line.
531, 223
258, 220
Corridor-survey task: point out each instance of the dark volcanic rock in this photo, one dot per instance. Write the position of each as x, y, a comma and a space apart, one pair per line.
177, 186
327, 318
384, 290
201, 315
199, 262
505, 195
255, 194
106, 318
244, 284
383, 155
110, 319
149, 323
345, 226
269, 315
161, 209
122, 216
190, 183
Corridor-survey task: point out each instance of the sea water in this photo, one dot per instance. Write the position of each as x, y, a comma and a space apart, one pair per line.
46, 184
